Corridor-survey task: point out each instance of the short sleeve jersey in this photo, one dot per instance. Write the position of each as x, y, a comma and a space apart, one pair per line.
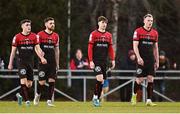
101, 42
146, 39
48, 42
25, 45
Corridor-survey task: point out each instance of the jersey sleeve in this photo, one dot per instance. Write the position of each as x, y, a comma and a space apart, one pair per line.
90, 47
57, 41
111, 50
37, 39
157, 35
14, 41
135, 36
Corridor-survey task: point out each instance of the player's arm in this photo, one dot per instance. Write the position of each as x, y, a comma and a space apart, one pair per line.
156, 55
136, 51
57, 52
11, 59
90, 51
40, 54
111, 55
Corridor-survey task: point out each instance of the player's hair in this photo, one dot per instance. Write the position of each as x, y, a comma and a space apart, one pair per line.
24, 21
48, 19
148, 15
102, 18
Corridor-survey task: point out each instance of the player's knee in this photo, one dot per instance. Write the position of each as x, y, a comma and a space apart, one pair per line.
29, 84
150, 78
42, 82
23, 81
100, 78
51, 80
139, 80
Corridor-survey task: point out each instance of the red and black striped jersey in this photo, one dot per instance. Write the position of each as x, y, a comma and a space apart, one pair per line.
47, 43
146, 39
100, 46
25, 45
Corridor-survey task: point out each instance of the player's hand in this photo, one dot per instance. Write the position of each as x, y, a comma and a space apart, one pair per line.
57, 68
92, 65
156, 65
10, 66
140, 61
43, 60
42, 53
113, 64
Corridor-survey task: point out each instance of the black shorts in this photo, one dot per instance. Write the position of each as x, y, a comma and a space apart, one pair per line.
147, 69
100, 68
25, 70
47, 71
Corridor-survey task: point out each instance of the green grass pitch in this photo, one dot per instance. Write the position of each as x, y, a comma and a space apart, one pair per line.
87, 107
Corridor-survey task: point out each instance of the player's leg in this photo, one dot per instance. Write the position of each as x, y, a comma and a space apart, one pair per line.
41, 85
137, 84
150, 80
24, 90
23, 72
98, 89
51, 87
137, 87
52, 76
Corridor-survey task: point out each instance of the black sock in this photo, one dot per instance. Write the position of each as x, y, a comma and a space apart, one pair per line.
24, 91
40, 89
150, 90
136, 87
97, 88
51, 90
100, 90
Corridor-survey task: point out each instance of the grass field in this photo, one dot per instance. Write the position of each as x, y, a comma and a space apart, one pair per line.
86, 107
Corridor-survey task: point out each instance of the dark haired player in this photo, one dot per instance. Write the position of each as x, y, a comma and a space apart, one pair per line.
49, 43
25, 43
99, 49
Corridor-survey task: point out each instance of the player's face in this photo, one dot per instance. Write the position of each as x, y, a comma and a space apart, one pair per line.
102, 25
26, 27
148, 22
50, 25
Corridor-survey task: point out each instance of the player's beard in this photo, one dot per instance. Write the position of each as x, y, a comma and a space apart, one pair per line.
51, 28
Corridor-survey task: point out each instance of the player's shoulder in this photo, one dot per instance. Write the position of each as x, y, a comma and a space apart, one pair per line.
33, 34
56, 34
139, 29
40, 32
94, 32
108, 33
154, 30
18, 35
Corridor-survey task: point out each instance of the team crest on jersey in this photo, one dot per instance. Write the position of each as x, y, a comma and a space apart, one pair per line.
49, 41
135, 35
97, 68
41, 74
23, 71
139, 71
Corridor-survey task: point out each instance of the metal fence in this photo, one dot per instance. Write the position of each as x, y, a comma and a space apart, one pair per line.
116, 75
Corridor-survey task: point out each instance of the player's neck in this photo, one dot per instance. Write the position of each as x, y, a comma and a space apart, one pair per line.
147, 28
48, 31
101, 30
25, 33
